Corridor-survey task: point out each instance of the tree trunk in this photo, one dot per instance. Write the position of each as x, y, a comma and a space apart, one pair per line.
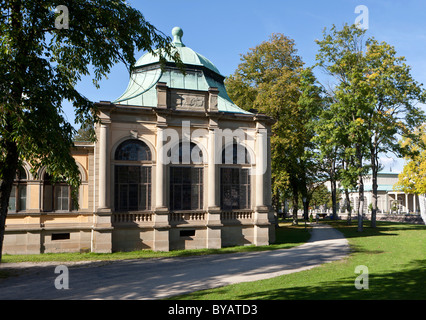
9, 163
7, 171
348, 207
304, 193
333, 190
334, 199
295, 206
360, 204
374, 169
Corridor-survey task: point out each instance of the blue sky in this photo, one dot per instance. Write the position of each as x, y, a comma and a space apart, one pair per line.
223, 30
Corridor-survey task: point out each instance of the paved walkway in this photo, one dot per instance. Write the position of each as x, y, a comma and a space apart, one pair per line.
165, 277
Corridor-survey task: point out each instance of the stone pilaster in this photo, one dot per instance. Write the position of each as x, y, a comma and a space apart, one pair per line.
213, 233
261, 214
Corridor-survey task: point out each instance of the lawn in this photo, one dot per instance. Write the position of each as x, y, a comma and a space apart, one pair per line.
395, 255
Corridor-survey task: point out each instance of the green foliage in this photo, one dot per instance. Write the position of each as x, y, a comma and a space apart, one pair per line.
375, 96
40, 67
373, 102
85, 133
271, 79
321, 196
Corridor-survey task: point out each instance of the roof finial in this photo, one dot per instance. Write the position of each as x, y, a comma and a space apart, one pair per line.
177, 34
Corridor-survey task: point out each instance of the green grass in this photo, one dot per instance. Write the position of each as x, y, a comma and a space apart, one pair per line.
395, 255
287, 236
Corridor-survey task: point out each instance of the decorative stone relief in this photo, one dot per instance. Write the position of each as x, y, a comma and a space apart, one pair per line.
187, 101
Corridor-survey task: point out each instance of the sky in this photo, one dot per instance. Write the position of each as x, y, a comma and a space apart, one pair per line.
224, 30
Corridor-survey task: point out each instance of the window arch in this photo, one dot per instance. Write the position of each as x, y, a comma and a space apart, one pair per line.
133, 150
18, 194
235, 186
132, 175
186, 153
186, 177
235, 153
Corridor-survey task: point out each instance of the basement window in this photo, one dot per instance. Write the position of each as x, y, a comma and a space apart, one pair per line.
60, 236
187, 233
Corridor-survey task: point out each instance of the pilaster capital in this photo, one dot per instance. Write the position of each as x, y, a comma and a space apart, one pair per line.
105, 122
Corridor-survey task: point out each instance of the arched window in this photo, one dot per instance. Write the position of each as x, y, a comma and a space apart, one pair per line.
57, 196
133, 150
186, 178
235, 154
132, 176
185, 153
235, 178
18, 195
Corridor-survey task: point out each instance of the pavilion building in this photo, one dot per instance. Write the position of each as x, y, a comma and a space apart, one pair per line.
176, 165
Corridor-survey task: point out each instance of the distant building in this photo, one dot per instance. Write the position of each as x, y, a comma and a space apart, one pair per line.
176, 165
388, 200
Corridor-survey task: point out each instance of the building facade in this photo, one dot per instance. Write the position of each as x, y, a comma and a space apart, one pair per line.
389, 200
176, 165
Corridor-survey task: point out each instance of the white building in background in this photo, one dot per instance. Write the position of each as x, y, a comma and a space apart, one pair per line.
389, 200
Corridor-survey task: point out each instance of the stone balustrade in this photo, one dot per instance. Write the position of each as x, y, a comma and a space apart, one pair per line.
127, 217
176, 217
236, 215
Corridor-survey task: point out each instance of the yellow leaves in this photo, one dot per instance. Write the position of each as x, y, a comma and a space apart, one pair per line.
413, 177
359, 121
372, 76
406, 142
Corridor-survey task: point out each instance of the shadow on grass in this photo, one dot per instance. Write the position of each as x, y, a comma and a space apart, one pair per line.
403, 285
383, 228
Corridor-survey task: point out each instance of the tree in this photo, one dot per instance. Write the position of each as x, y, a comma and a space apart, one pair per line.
312, 104
268, 79
374, 101
412, 179
326, 148
393, 95
85, 133
340, 133
321, 196
43, 55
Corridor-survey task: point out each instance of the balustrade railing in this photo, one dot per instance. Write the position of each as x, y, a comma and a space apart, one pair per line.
186, 216
131, 217
177, 217
236, 215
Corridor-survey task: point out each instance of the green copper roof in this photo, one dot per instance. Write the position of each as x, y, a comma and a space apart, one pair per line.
141, 90
187, 55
